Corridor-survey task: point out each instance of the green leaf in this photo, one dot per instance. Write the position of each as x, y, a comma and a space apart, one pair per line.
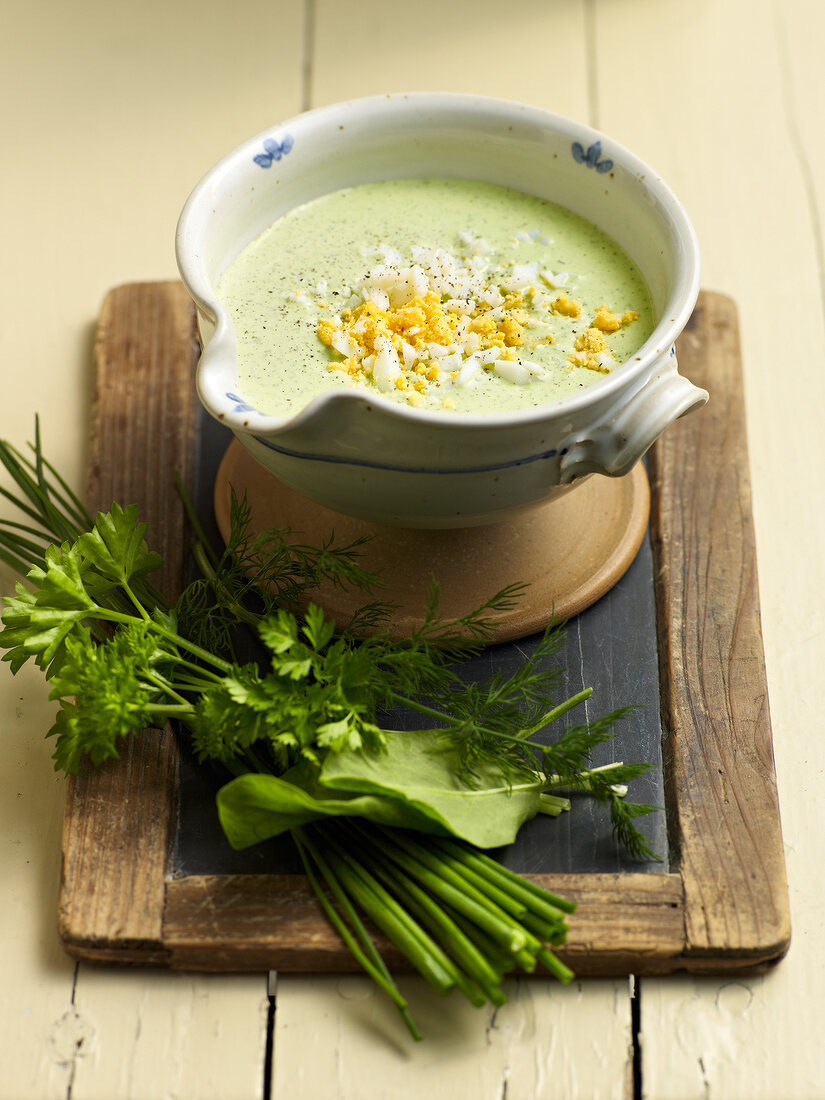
31, 631
116, 546
413, 785
318, 630
68, 752
349, 733
279, 632
221, 727
296, 667
256, 807
111, 701
419, 769
61, 585
37, 622
167, 619
112, 698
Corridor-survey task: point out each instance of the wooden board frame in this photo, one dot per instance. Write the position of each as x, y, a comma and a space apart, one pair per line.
725, 905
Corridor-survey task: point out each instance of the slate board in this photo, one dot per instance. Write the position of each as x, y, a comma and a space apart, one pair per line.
619, 675
148, 877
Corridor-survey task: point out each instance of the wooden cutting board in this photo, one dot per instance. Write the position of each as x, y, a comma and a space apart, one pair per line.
720, 900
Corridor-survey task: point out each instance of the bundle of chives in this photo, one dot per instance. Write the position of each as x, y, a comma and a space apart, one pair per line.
461, 919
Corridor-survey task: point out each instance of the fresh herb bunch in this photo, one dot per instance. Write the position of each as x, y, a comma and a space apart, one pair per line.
301, 729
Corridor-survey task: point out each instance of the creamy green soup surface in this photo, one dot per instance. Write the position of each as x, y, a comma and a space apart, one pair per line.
438, 293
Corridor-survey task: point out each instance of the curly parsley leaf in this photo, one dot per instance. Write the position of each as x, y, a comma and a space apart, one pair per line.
116, 547
38, 620
111, 699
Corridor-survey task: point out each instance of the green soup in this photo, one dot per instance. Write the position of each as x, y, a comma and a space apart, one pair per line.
439, 293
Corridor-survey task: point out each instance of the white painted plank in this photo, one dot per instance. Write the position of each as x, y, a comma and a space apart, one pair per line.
743, 1038
723, 98
119, 111
37, 976
179, 1036
365, 48
339, 1038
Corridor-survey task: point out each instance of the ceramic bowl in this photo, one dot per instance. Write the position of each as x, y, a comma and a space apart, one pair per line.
362, 454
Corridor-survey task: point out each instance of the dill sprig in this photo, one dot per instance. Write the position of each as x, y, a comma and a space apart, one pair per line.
256, 575
119, 658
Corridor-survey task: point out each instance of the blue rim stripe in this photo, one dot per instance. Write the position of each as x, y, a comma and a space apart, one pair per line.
335, 460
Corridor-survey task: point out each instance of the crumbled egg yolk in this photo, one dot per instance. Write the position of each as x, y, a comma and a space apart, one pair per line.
592, 349
568, 307
606, 321
443, 320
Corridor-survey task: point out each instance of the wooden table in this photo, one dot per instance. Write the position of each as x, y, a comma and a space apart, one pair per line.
111, 117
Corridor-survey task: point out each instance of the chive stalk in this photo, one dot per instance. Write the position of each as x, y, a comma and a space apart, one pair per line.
441, 923
378, 973
498, 873
493, 920
383, 909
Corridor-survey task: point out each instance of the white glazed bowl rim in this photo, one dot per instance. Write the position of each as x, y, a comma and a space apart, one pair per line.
213, 382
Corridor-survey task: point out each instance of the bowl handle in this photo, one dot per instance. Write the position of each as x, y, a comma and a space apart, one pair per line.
614, 444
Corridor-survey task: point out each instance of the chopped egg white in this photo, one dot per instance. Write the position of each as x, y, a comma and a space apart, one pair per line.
437, 318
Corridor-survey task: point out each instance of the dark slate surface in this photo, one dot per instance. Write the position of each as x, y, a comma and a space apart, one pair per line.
611, 648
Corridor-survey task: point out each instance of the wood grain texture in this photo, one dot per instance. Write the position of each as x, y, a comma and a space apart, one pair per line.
726, 906
755, 1038
725, 100
719, 756
119, 819
143, 410
625, 923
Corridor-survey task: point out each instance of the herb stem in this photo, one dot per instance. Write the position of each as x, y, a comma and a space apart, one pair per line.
555, 966
422, 708
459, 896
559, 710
369, 959
581, 781
194, 522
391, 918
141, 610
535, 897
453, 723
124, 619
479, 982
552, 804
169, 710
196, 650
504, 900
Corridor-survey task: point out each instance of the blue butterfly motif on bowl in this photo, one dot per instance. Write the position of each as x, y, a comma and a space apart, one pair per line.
240, 405
592, 157
274, 150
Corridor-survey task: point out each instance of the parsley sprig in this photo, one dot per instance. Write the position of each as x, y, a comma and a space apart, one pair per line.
303, 728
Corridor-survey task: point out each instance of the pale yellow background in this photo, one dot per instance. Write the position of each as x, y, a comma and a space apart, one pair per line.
109, 115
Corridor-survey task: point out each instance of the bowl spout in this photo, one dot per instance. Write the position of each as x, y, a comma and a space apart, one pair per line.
352, 448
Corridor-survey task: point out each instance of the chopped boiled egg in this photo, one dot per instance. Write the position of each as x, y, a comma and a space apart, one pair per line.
436, 318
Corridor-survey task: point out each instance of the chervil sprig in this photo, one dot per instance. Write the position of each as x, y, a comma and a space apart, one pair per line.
300, 727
